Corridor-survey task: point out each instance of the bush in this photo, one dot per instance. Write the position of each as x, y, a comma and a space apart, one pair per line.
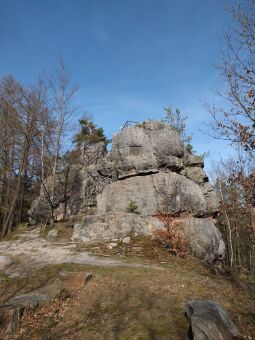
172, 237
132, 207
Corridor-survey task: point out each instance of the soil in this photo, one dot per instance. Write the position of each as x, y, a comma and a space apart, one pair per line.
138, 290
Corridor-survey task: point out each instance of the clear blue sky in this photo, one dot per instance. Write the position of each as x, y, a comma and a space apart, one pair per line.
130, 58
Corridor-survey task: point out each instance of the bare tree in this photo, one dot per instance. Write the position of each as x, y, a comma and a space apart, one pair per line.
20, 110
235, 120
61, 107
234, 182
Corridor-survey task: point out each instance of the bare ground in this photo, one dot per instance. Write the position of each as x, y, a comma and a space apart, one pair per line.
138, 291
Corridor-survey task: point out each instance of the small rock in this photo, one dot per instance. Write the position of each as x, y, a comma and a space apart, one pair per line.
126, 240
112, 245
52, 234
5, 262
75, 280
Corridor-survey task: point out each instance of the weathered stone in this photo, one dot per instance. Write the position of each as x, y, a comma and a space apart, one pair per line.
193, 160
118, 225
5, 262
52, 234
209, 321
205, 240
164, 192
147, 171
144, 145
195, 174
211, 199
13, 310
170, 162
126, 240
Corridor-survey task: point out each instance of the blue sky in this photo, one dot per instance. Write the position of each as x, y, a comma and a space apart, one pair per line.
130, 58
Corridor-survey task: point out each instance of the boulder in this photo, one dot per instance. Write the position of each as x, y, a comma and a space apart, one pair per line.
209, 321
205, 240
13, 310
118, 225
144, 145
164, 192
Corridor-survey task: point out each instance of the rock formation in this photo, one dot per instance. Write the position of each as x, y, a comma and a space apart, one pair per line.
150, 169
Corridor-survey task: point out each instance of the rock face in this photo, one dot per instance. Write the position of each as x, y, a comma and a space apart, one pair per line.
110, 226
209, 321
147, 169
161, 192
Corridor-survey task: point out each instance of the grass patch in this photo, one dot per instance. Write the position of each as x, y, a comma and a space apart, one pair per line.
131, 303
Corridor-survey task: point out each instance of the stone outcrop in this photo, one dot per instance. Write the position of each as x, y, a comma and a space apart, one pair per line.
149, 168
209, 321
162, 192
204, 238
111, 226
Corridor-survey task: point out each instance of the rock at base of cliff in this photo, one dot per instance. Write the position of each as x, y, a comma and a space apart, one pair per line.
119, 225
205, 239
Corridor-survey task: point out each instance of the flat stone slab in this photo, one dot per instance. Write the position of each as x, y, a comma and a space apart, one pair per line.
13, 310
209, 321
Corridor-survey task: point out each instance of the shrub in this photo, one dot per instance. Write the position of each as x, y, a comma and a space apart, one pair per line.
172, 237
132, 207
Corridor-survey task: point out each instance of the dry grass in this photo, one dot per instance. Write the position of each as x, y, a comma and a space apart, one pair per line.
128, 303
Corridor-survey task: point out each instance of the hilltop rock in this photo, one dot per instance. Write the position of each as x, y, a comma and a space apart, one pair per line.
148, 168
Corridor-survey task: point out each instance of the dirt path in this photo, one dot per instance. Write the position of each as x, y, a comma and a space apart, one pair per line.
30, 250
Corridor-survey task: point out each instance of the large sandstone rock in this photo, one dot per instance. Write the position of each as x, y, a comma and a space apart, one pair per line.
209, 321
147, 168
162, 192
146, 146
205, 240
110, 226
